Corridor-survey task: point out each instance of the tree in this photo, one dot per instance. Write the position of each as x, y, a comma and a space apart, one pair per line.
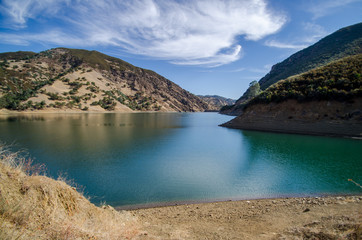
253, 90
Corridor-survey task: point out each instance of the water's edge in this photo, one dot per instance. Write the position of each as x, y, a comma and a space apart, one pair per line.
191, 202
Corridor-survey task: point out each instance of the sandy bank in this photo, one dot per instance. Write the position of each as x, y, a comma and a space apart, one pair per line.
289, 218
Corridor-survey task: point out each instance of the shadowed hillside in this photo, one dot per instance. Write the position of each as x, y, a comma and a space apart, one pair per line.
342, 43
322, 101
340, 80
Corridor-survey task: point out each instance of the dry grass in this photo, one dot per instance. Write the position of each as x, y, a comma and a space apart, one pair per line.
33, 206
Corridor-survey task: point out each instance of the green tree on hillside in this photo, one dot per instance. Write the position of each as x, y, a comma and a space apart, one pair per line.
253, 90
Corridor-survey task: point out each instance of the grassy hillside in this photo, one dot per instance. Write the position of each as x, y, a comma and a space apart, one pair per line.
37, 207
20, 55
323, 101
344, 42
340, 80
98, 60
73, 79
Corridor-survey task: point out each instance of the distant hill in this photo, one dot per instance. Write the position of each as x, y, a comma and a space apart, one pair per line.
216, 102
323, 101
342, 43
74, 79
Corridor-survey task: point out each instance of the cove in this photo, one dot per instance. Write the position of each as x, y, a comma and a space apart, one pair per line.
147, 158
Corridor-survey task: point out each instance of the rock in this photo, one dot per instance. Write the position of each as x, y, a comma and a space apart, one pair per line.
306, 210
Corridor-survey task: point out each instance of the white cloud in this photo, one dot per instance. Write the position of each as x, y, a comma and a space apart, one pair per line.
309, 34
189, 32
315, 32
322, 8
276, 44
55, 37
20, 11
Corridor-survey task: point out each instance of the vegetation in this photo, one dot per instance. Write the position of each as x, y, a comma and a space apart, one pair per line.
55, 76
251, 92
97, 60
17, 56
344, 42
33, 206
340, 80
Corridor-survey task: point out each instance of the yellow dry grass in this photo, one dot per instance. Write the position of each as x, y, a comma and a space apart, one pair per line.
37, 207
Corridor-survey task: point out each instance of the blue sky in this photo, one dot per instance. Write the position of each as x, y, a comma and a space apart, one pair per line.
205, 46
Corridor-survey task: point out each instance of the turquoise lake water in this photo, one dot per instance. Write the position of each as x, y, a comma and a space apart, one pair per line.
142, 158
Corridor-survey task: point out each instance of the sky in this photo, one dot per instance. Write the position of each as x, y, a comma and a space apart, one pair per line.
208, 47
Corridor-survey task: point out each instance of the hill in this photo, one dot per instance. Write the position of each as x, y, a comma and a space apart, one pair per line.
323, 101
216, 102
342, 43
64, 79
33, 206
340, 80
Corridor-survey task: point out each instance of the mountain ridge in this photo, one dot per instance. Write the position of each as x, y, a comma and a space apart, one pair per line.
323, 101
344, 42
76, 79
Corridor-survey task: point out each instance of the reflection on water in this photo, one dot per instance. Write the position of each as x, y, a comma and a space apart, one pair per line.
157, 157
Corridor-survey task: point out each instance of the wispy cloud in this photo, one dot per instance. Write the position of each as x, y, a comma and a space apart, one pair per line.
322, 8
55, 37
20, 11
314, 32
309, 34
276, 44
188, 32
262, 70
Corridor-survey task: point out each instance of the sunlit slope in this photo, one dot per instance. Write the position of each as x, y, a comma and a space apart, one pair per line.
74, 79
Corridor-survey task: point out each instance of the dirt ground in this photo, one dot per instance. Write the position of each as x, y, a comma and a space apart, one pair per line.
290, 218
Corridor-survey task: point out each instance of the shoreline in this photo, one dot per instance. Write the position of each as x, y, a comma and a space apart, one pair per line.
331, 217
17, 113
316, 118
287, 131
133, 207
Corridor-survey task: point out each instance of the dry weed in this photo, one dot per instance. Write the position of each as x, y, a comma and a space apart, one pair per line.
37, 207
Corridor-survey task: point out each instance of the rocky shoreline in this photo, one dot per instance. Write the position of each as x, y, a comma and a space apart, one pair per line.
333, 217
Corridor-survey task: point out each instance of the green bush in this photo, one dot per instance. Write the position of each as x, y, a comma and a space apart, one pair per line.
340, 80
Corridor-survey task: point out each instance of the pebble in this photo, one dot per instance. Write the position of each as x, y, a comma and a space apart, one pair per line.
306, 210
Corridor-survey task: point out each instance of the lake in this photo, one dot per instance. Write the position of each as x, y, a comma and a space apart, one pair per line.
143, 158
